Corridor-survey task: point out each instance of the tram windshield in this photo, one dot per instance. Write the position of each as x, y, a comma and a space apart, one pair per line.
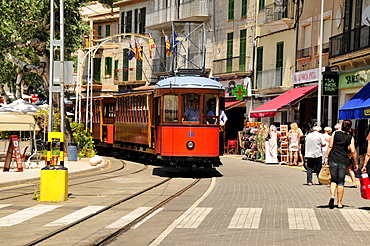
195, 108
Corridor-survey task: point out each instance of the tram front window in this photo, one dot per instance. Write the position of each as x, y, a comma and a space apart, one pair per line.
192, 111
170, 108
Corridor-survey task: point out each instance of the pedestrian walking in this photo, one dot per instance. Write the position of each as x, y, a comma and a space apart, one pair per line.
326, 135
340, 145
313, 153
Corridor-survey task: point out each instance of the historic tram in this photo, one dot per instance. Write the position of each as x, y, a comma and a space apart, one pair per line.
174, 123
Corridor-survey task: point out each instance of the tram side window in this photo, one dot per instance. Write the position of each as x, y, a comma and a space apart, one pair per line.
171, 108
191, 107
211, 109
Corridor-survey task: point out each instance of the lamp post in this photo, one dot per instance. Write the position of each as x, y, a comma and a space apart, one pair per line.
319, 96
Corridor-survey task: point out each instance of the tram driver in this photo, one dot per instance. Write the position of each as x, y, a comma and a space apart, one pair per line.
192, 113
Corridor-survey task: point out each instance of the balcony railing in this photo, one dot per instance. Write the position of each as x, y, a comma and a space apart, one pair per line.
306, 52
353, 40
270, 78
230, 65
191, 10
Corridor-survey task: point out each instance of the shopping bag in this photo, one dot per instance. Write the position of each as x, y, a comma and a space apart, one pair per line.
324, 175
365, 186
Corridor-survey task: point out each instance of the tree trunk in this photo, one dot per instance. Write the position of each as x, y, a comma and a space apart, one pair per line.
4, 95
18, 86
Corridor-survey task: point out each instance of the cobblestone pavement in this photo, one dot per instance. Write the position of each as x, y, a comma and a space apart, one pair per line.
260, 204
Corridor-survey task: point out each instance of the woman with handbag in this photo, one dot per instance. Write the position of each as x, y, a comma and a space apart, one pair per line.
340, 145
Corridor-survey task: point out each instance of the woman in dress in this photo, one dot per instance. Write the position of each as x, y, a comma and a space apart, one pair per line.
340, 145
294, 136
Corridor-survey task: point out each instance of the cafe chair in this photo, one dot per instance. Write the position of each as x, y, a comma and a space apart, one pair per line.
231, 146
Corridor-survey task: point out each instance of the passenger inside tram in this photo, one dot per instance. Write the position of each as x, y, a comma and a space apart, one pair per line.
192, 113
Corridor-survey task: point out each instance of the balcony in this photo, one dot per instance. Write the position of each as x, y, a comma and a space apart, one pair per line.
351, 41
231, 65
270, 78
194, 10
275, 17
189, 10
159, 17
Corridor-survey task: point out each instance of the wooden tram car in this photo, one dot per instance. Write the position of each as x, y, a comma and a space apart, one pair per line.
151, 123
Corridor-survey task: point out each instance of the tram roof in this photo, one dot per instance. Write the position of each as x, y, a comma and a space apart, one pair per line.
187, 82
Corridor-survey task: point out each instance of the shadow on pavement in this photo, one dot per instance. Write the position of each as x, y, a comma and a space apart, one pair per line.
171, 172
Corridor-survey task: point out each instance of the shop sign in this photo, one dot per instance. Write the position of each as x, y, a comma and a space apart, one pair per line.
306, 76
354, 79
330, 84
231, 85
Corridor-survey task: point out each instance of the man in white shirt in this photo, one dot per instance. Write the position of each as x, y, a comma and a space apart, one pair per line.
313, 152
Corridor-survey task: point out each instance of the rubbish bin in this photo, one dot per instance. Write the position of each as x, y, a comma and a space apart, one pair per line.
72, 152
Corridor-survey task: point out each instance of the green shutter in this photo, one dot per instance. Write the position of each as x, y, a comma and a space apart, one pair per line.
229, 55
242, 50
108, 65
97, 69
231, 10
261, 5
259, 58
125, 65
244, 7
116, 68
107, 30
279, 54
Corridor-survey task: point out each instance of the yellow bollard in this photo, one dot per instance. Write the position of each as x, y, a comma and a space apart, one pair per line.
54, 183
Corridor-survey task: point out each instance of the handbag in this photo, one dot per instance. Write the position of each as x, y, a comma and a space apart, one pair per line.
365, 186
324, 175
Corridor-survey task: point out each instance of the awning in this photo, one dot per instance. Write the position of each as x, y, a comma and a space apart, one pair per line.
290, 97
358, 107
233, 104
17, 122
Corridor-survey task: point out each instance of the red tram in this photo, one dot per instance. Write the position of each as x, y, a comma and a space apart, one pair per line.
175, 123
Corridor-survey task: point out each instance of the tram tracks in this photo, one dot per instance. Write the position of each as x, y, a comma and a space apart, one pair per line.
109, 236
73, 178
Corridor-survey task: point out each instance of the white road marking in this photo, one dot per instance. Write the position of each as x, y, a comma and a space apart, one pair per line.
174, 224
194, 219
302, 219
246, 218
359, 220
147, 218
5, 205
79, 214
26, 214
128, 218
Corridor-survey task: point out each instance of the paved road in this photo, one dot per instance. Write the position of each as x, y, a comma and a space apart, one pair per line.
249, 203
257, 204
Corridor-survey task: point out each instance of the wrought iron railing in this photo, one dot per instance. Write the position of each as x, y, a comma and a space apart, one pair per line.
230, 65
347, 42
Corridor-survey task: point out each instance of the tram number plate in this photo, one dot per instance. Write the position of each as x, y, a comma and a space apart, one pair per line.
190, 134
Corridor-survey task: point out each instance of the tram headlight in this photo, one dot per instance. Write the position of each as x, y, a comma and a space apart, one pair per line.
190, 145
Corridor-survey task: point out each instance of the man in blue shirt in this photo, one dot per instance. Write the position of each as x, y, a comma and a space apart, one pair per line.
192, 113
